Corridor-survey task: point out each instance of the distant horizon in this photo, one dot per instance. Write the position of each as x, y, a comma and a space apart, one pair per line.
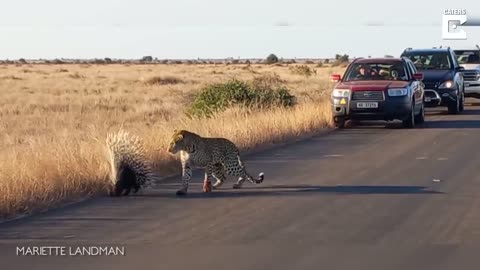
173, 59
219, 29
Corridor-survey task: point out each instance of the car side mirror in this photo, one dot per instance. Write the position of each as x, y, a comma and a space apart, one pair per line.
418, 76
335, 77
460, 68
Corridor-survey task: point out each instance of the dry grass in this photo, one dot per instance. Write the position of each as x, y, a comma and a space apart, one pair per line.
53, 121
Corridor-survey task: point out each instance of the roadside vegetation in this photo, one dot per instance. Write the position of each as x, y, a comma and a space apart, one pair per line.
54, 118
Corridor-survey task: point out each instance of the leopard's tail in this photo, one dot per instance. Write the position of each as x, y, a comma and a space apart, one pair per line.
258, 180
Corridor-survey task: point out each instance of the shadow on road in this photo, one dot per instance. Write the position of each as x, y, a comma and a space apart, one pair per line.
349, 189
451, 124
470, 112
298, 190
372, 127
375, 126
435, 111
472, 103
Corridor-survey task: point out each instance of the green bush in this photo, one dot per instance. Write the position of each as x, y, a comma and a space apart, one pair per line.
147, 59
341, 60
271, 59
262, 92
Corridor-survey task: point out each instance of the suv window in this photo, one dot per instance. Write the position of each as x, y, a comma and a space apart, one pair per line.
468, 57
390, 71
430, 60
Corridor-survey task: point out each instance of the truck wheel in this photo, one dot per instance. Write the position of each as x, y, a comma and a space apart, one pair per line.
410, 121
420, 118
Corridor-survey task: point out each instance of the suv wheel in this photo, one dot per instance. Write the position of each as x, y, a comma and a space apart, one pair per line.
410, 121
462, 103
420, 118
454, 107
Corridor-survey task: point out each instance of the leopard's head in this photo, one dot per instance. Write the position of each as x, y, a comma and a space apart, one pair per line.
180, 141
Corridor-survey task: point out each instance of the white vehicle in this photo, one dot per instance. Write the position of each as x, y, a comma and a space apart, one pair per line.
470, 60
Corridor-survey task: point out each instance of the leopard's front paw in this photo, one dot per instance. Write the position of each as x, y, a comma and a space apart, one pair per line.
182, 192
207, 186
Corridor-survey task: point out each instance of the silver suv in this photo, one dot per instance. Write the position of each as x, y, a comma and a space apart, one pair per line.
470, 60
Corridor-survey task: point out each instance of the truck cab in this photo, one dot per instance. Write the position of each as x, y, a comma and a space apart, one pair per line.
469, 59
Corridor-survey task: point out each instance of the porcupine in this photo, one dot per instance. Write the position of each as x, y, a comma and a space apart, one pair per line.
129, 167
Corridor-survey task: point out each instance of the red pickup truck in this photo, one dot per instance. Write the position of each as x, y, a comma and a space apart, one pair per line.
379, 89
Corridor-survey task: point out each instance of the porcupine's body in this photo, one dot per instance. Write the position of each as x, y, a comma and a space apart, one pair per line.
217, 155
129, 168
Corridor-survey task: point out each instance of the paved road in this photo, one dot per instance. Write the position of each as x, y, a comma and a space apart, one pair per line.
367, 197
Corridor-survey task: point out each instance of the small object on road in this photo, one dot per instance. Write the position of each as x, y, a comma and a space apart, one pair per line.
333, 155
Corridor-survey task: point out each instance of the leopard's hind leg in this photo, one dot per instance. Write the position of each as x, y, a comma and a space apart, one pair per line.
219, 174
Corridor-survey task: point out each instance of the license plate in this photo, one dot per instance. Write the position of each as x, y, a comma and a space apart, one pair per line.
428, 99
367, 105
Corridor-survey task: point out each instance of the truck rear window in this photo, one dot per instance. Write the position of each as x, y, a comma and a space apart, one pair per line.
468, 57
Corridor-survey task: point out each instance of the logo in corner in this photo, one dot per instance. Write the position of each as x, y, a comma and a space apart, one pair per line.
452, 19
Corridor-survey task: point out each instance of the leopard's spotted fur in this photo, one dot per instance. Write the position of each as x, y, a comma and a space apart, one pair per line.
216, 155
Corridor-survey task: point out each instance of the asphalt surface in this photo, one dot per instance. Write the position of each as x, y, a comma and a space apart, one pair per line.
367, 197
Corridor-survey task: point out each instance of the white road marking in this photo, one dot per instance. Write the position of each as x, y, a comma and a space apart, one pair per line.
333, 155
436, 180
442, 158
421, 158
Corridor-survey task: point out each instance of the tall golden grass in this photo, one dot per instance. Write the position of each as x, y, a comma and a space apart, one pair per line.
54, 120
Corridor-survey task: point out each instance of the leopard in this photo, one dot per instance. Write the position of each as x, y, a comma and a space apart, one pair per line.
217, 156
